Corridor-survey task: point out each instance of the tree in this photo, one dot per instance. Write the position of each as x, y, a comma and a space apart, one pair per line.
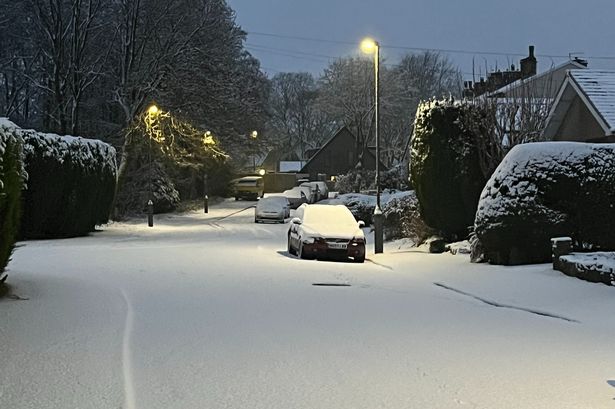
297, 120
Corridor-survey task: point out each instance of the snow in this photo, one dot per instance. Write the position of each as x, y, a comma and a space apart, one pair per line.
599, 87
597, 261
83, 152
364, 199
209, 311
329, 221
515, 179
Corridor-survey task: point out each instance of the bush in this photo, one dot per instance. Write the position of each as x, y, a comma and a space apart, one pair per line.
545, 190
403, 219
445, 170
356, 181
71, 185
12, 177
142, 183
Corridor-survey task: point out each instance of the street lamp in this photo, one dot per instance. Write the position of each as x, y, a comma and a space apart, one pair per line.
371, 46
152, 115
254, 135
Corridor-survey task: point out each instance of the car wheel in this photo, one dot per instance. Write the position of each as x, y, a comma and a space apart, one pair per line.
300, 251
362, 258
291, 250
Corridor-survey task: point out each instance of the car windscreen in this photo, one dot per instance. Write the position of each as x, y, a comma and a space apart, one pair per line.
272, 203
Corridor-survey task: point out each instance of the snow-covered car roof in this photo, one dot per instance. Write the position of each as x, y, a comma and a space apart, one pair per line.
328, 218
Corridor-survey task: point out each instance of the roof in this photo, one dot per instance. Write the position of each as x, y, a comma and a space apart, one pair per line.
599, 87
595, 88
568, 65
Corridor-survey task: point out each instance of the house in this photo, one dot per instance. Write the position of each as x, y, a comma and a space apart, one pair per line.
584, 108
539, 86
499, 79
525, 81
339, 155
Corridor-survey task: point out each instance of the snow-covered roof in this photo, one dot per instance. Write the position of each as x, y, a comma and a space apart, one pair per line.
599, 87
524, 82
595, 88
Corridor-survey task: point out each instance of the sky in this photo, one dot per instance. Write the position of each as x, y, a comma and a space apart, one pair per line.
305, 35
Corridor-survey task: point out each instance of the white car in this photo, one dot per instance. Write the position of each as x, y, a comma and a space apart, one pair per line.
326, 231
273, 208
296, 196
314, 195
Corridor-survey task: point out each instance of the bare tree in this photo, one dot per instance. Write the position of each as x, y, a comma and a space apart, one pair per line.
296, 117
514, 116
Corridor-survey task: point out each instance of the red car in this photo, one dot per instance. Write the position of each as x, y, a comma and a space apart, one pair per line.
326, 231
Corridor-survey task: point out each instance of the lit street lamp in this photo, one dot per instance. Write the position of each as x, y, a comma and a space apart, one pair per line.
254, 135
370, 46
152, 115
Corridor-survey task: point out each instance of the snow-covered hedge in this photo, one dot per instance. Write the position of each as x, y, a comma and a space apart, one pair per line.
403, 219
545, 190
71, 184
12, 178
445, 169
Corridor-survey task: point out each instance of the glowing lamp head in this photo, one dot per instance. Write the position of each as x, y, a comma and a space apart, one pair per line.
254, 134
261, 172
153, 110
369, 46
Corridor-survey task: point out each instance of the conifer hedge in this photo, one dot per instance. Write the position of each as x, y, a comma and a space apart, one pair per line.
11, 183
71, 185
444, 167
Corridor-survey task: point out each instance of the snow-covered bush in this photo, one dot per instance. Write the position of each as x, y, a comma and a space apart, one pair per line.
145, 183
355, 181
403, 219
71, 184
12, 178
544, 190
445, 170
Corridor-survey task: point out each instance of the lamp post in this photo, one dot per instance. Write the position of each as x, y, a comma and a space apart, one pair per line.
152, 114
254, 135
370, 46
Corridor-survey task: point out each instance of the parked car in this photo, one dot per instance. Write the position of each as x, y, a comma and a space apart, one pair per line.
323, 190
319, 190
296, 196
273, 208
314, 191
326, 231
249, 187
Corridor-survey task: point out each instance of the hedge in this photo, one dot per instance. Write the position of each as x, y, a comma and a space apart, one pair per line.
545, 190
444, 167
71, 185
12, 177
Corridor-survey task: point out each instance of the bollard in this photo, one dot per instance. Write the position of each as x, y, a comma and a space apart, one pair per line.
205, 195
378, 233
560, 246
150, 213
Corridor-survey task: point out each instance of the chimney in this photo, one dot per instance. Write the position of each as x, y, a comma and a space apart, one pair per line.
528, 64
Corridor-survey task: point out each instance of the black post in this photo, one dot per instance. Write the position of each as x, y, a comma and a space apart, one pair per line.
205, 196
378, 216
150, 213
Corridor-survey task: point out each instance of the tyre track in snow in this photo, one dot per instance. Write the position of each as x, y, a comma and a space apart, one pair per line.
129, 391
511, 307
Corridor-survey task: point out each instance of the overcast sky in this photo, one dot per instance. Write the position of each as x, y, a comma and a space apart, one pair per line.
554, 27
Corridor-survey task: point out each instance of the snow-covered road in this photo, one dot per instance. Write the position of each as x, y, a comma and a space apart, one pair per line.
204, 312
